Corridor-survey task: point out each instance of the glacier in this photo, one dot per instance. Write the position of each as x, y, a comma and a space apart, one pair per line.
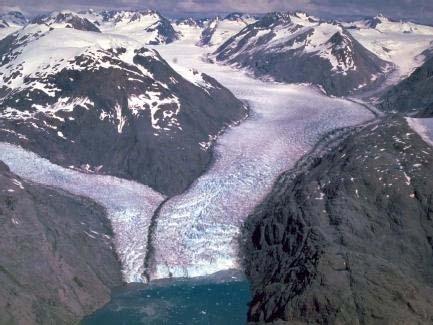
130, 205
197, 232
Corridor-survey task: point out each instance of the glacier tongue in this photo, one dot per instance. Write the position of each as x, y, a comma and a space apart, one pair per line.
129, 205
197, 232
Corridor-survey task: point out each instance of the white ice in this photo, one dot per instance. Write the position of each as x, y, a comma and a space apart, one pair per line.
225, 28
129, 205
399, 42
197, 231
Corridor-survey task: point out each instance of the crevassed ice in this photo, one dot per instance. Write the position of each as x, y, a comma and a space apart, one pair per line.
129, 205
196, 232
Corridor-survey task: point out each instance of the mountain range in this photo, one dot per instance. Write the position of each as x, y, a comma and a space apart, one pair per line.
108, 104
343, 237
304, 50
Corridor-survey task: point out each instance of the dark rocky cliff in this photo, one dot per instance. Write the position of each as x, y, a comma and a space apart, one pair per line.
57, 262
349, 240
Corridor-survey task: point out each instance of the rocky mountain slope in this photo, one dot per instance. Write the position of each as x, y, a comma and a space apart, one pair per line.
11, 22
190, 28
413, 95
57, 262
304, 50
148, 27
13, 18
102, 103
218, 30
349, 239
66, 19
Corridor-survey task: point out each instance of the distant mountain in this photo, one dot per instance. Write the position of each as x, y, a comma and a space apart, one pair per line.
164, 30
385, 24
303, 18
11, 22
149, 27
300, 49
191, 22
3, 23
66, 19
399, 42
102, 103
368, 22
13, 19
239, 16
218, 30
414, 95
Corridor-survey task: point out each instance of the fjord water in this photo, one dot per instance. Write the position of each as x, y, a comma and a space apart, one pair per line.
177, 302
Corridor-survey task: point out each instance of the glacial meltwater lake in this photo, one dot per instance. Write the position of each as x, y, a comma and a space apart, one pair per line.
204, 301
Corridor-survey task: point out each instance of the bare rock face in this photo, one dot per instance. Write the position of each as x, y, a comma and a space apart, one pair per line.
57, 262
348, 240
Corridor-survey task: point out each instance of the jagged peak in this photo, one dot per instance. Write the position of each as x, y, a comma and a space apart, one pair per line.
234, 16
274, 18
14, 18
128, 15
67, 18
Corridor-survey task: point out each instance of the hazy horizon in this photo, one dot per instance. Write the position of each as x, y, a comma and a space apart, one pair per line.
417, 10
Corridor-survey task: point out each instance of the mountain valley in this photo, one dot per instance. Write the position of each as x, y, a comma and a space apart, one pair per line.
139, 149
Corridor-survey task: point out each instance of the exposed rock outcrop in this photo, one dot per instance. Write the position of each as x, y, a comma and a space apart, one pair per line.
348, 240
57, 262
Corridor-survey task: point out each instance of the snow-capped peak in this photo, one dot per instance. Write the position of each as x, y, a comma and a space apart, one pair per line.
294, 48
187, 22
131, 17
66, 19
303, 18
13, 19
147, 27
238, 16
219, 30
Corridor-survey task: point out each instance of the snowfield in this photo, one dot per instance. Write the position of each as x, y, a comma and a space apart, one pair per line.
129, 205
399, 42
197, 232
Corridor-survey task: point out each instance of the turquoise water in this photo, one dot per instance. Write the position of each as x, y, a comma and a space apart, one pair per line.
176, 302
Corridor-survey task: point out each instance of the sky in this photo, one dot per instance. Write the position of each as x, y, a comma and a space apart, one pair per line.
419, 10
